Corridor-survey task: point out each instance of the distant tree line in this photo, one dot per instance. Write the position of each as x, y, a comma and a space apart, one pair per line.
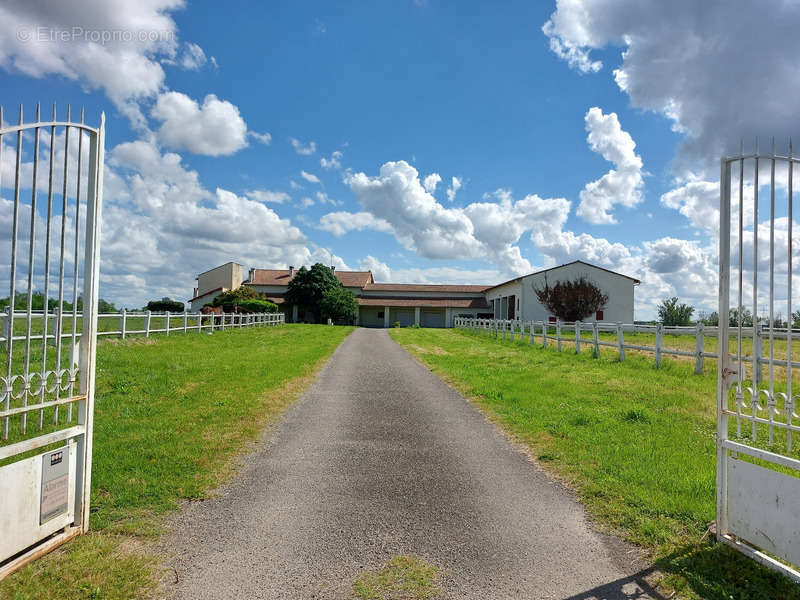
37, 303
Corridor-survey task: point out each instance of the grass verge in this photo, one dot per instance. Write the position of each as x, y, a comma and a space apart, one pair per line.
404, 578
171, 415
636, 444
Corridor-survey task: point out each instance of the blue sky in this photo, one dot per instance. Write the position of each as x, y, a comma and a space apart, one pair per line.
562, 146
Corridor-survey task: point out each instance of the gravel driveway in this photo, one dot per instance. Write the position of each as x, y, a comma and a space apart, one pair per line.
380, 458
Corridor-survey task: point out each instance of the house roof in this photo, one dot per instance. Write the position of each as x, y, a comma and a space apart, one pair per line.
422, 302
281, 277
635, 281
206, 293
425, 287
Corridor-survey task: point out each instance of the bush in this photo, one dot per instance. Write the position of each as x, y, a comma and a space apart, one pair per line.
339, 304
231, 297
257, 306
164, 305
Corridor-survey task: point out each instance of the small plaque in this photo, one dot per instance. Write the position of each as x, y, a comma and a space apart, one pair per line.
55, 485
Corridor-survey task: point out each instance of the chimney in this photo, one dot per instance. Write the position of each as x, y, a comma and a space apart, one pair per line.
252, 275
291, 272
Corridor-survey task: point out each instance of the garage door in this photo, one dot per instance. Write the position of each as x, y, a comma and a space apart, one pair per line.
405, 317
432, 318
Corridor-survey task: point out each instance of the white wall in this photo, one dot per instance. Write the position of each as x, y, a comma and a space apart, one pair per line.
229, 276
620, 290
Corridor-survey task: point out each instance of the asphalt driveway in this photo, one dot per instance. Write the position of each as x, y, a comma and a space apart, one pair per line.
381, 458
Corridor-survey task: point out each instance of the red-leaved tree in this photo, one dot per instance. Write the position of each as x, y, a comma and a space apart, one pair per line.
572, 300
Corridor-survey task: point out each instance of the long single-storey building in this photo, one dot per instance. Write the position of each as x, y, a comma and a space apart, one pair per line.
427, 305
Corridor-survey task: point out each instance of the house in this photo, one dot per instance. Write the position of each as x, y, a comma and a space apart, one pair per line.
380, 304
427, 305
516, 298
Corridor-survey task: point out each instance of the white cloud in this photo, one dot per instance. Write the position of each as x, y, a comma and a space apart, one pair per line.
294, 185
304, 149
334, 162
342, 222
264, 138
128, 71
268, 196
323, 198
698, 201
310, 177
380, 270
161, 225
431, 181
213, 129
455, 185
619, 186
305, 202
397, 201
191, 57
686, 61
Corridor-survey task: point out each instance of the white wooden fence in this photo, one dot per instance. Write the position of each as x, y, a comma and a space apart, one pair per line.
138, 323
560, 332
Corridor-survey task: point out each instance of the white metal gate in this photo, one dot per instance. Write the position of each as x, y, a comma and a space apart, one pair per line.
758, 464
48, 375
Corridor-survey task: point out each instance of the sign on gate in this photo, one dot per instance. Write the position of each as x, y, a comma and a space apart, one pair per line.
48, 349
758, 430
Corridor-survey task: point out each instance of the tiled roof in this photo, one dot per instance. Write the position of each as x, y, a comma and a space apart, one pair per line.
281, 277
206, 293
425, 287
423, 302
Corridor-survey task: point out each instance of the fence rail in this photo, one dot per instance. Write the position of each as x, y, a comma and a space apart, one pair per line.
129, 323
561, 332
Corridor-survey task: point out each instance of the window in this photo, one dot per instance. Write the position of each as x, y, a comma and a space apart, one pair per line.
380, 314
598, 316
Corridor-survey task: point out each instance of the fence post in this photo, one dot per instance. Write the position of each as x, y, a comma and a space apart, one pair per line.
147, 324
577, 337
699, 348
596, 350
200, 323
659, 341
532, 331
545, 325
757, 353
558, 334
620, 342
123, 322
185, 322
166, 323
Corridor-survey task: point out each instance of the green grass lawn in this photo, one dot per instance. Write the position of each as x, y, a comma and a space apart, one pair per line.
636, 443
171, 415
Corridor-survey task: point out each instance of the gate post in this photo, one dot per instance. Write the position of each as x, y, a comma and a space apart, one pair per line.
88, 345
699, 348
620, 342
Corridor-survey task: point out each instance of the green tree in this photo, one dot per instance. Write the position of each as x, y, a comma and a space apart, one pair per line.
308, 287
233, 297
339, 304
572, 300
733, 318
672, 314
164, 305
